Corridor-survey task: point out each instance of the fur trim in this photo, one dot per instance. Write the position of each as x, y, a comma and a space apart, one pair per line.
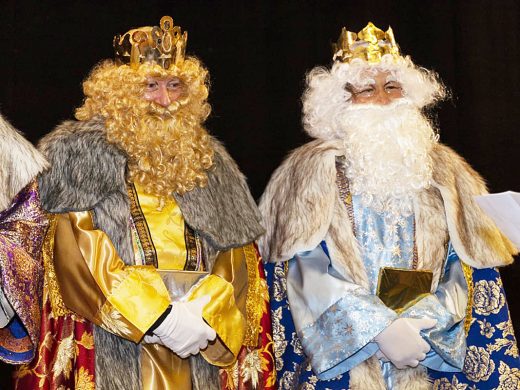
431, 233
367, 375
116, 355
298, 203
344, 248
86, 169
89, 174
474, 235
204, 376
412, 379
224, 211
20, 162
298, 206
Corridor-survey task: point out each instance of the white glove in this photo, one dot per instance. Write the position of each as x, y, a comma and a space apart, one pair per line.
184, 330
402, 343
153, 339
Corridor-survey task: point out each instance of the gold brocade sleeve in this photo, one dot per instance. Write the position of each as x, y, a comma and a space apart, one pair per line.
226, 313
95, 282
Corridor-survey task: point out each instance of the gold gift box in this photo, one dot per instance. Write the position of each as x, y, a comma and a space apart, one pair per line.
400, 288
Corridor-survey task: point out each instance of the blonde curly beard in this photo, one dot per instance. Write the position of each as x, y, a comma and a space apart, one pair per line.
168, 150
388, 154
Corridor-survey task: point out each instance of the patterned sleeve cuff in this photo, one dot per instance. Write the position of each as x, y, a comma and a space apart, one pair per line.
341, 337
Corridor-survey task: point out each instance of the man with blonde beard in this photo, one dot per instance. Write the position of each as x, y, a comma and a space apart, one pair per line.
155, 282
375, 242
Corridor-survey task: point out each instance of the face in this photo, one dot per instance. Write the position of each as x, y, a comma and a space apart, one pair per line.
382, 92
163, 91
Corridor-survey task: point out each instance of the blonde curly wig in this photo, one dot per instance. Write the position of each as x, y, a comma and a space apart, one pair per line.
169, 150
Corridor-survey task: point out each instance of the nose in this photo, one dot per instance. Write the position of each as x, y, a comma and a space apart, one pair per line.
382, 97
162, 97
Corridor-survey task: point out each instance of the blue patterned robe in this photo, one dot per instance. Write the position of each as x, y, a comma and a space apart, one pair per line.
492, 358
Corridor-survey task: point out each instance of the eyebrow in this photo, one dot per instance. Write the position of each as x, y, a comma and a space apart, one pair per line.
353, 88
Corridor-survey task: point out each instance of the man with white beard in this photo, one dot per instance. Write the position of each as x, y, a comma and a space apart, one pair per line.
381, 262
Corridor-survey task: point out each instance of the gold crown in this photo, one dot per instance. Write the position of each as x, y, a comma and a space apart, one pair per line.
370, 44
163, 44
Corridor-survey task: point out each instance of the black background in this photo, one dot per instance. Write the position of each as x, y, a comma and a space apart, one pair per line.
258, 53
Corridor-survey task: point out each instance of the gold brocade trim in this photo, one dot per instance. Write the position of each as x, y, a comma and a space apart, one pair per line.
141, 226
51, 288
255, 297
468, 275
344, 190
192, 258
147, 227
201, 258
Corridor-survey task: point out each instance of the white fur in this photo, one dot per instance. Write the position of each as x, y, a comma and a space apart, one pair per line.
20, 162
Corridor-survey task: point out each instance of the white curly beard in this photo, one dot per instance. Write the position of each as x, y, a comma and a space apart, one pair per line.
388, 154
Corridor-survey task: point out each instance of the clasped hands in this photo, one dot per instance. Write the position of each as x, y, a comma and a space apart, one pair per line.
184, 331
401, 342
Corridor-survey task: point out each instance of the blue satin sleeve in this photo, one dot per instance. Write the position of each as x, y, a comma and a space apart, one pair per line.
448, 306
335, 319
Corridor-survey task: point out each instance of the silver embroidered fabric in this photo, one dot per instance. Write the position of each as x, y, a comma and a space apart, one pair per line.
386, 239
447, 306
336, 320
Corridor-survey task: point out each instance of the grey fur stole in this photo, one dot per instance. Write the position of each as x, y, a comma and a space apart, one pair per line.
87, 169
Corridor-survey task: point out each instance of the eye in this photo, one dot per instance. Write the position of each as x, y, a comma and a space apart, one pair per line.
393, 87
364, 92
174, 84
151, 85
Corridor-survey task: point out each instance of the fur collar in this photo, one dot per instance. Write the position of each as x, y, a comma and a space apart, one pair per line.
300, 207
20, 162
86, 169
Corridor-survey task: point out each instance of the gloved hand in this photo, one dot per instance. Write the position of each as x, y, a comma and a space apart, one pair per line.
184, 330
402, 343
153, 339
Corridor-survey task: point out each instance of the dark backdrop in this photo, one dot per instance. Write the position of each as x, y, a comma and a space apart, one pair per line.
258, 53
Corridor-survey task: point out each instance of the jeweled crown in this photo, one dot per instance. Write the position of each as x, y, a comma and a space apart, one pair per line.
370, 44
164, 44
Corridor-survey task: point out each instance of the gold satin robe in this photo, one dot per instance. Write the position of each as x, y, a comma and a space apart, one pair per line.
128, 299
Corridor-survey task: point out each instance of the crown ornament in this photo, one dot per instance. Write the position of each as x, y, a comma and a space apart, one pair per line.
370, 44
164, 45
